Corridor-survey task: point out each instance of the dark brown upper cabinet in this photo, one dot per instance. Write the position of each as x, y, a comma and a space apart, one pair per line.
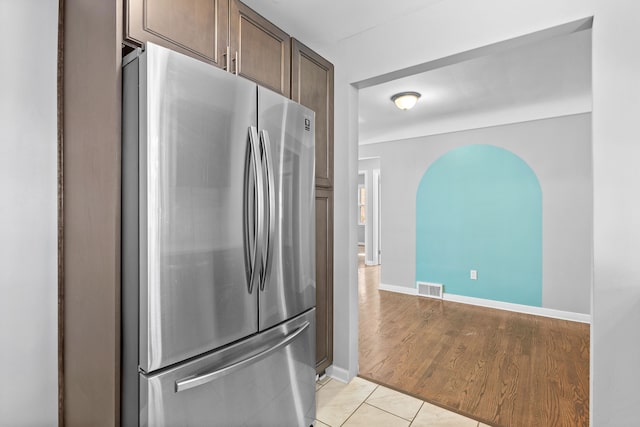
198, 28
259, 50
312, 86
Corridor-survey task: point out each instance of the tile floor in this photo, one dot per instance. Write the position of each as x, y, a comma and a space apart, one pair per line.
363, 403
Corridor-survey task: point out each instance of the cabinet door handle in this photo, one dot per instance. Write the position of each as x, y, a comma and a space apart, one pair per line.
235, 64
225, 57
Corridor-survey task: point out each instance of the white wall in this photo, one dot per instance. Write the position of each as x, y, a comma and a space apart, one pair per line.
28, 218
616, 155
558, 151
345, 229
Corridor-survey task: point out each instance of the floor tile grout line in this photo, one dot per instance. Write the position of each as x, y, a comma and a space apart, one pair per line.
389, 412
411, 421
384, 410
361, 403
414, 417
438, 405
422, 402
351, 414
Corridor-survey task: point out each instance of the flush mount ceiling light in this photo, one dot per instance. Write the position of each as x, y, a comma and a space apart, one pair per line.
405, 100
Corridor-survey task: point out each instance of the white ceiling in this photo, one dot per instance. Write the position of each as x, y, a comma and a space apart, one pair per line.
541, 79
320, 22
544, 79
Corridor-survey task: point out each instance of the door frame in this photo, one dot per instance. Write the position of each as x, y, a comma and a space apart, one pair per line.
376, 222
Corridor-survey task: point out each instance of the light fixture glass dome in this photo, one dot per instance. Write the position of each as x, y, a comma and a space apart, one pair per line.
405, 100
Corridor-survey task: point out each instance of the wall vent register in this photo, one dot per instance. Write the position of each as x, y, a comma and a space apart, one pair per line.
431, 290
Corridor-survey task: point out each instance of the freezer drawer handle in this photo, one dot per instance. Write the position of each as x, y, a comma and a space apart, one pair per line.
191, 382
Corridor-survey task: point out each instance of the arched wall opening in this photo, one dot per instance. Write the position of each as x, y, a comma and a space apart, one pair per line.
479, 207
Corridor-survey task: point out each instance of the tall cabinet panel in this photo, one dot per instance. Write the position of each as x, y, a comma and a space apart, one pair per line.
312, 86
259, 50
198, 28
324, 279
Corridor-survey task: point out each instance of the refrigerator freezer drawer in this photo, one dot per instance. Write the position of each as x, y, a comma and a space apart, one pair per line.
266, 380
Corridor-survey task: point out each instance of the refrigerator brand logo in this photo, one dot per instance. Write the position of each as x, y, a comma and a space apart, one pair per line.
307, 124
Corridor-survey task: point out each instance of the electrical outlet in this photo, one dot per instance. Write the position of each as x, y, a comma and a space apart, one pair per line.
473, 274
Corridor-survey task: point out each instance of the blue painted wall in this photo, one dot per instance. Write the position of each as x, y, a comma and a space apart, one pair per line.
480, 207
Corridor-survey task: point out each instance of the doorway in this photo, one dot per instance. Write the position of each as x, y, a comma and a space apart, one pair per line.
369, 217
395, 346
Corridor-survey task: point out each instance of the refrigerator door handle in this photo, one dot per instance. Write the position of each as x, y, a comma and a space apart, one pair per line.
267, 168
253, 199
198, 380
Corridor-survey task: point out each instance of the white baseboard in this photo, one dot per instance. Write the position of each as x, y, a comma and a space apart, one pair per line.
370, 262
339, 374
518, 308
398, 289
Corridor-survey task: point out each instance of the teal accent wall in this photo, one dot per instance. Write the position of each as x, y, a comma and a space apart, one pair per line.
479, 207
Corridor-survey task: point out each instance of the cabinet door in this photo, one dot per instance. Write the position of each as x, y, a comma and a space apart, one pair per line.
312, 86
260, 51
198, 28
324, 279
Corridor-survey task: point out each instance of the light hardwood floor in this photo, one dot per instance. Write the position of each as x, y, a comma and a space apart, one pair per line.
498, 367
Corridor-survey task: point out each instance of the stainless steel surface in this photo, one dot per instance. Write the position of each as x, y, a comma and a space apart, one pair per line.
218, 248
290, 282
253, 209
130, 245
277, 391
270, 210
198, 380
193, 145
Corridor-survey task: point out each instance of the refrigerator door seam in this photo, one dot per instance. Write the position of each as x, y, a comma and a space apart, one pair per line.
191, 382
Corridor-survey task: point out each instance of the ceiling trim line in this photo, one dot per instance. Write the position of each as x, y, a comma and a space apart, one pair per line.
559, 30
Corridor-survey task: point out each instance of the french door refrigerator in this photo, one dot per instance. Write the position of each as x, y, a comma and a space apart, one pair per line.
218, 248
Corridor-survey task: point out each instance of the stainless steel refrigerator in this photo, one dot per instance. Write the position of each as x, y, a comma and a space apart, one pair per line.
218, 248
